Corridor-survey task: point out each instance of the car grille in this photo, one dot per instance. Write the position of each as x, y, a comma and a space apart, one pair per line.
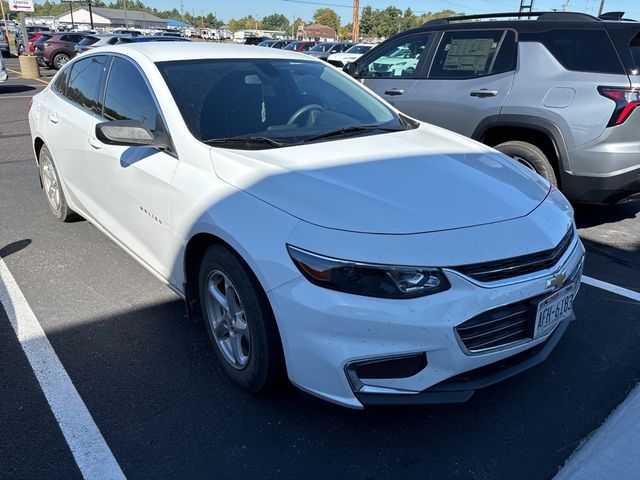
497, 327
516, 266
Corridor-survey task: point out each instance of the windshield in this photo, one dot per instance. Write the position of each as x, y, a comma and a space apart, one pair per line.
291, 46
359, 49
321, 47
284, 101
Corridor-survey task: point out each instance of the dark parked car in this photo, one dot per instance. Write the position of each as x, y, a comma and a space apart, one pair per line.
58, 49
300, 46
255, 40
324, 49
4, 45
151, 38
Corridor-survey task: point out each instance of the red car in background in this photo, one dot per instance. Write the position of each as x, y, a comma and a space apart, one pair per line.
300, 46
33, 39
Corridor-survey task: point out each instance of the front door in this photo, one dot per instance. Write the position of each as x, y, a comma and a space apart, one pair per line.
133, 184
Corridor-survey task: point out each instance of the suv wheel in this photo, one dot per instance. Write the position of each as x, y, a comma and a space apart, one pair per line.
60, 60
531, 157
239, 321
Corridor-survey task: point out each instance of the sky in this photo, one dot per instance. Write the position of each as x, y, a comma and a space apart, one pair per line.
227, 9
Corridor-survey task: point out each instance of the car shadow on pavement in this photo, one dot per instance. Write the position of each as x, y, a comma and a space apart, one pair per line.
16, 88
593, 215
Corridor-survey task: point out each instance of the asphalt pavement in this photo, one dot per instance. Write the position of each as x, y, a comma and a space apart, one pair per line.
151, 383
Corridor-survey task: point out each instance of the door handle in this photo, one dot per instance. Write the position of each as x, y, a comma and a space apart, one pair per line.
53, 118
484, 93
95, 143
394, 92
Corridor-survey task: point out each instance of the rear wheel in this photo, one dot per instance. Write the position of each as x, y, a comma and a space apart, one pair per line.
60, 60
531, 157
52, 187
239, 321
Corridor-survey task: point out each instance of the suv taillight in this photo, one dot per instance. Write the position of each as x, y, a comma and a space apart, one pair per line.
627, 99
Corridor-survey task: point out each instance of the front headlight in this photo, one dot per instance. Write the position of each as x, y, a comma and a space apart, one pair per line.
371, 280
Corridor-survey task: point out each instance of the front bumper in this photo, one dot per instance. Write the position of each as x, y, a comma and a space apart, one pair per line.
324, 331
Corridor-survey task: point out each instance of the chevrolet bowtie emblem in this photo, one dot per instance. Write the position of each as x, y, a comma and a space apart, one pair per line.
557, 281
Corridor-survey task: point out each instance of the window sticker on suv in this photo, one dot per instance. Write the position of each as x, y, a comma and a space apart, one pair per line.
470, 54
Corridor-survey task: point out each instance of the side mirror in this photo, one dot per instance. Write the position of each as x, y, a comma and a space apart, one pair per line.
130, 133
351, 69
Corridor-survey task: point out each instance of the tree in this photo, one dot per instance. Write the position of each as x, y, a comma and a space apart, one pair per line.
295, 25
328, 17
367, 22
344, 33
276, 21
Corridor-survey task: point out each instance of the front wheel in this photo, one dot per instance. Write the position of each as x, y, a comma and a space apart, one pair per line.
239, 321
531, 157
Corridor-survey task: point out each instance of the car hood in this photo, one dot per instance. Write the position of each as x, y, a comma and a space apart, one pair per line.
415, 181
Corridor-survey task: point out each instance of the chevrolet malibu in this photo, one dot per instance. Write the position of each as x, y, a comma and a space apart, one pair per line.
319, 233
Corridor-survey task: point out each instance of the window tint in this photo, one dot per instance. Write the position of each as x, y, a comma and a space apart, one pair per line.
88, 41
472, 54
128, 96
634, 46
398, 59
583, 50
85, 82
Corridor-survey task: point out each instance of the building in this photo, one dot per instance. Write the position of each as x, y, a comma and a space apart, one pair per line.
316, 32
112, 18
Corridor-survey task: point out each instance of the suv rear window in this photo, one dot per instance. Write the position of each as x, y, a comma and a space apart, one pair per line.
583, 50
88, 41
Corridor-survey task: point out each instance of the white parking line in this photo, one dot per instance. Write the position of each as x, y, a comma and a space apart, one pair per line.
625, 292
89, 449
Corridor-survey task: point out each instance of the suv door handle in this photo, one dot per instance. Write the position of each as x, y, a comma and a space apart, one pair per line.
484, 93
95, 143
394, 91
53, 118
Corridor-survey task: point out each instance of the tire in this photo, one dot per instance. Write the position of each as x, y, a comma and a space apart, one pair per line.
530, 156
60, 60
256, 336
52, 187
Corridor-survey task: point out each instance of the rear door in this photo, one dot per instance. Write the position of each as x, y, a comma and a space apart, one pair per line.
469, 79
74, 104
392, 70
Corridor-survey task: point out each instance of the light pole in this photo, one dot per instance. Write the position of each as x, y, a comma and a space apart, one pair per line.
601, 7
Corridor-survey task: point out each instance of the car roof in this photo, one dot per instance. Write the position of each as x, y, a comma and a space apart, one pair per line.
171, 51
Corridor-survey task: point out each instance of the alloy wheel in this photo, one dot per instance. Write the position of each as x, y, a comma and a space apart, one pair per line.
50, 183
227, 319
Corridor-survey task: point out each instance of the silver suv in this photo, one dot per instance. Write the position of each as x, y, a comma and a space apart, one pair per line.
558, 93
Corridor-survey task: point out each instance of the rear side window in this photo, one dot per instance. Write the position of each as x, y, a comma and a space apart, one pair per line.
128, 96
85, 82
583, 50
60, 85
398, 59
471, 54
634, 46
88, 41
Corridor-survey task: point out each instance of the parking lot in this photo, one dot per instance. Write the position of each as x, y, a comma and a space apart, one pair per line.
151, 383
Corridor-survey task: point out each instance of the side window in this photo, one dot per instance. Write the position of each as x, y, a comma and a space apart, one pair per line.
399, 59
85, 82
128, 96
583, 50
470, 54
60, 85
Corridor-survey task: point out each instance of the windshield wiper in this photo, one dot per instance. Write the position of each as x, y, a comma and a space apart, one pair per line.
342, 132
249, 142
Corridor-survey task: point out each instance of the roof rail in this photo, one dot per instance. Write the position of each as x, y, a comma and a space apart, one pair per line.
563, 16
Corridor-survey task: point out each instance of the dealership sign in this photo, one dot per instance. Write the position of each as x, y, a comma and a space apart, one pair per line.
21, 5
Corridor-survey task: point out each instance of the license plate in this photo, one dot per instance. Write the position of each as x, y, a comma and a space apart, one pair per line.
552, 310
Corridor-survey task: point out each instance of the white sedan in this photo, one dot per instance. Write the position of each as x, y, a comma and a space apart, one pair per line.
320, 234
351, 55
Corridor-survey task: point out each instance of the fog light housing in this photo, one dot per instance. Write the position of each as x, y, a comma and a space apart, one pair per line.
397, 366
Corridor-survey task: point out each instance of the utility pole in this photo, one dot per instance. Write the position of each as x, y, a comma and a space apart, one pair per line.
126, 18
355, 33
181, 8
565, 5
90, 13
73, 25
601, 7
526, 6
4, 17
